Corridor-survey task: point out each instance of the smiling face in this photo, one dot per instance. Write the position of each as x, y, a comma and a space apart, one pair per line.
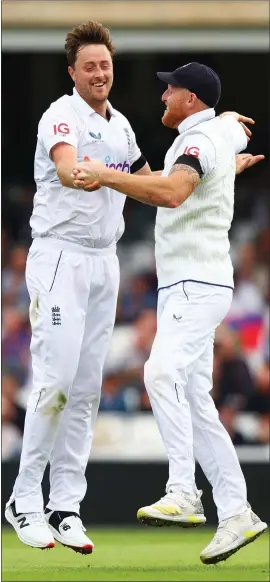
92, 74
180, 104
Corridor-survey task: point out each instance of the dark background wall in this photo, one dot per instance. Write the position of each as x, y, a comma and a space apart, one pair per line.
117, 490
33, 81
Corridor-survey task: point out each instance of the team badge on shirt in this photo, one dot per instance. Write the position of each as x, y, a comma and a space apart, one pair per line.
56, 315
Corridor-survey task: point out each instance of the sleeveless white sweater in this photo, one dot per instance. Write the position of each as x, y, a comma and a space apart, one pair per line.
192, 240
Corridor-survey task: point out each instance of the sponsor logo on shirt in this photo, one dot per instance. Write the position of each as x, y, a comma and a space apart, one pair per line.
192, 151
124, 167
61, 129
95, 136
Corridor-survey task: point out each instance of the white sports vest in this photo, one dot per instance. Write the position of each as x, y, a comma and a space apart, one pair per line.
192, 240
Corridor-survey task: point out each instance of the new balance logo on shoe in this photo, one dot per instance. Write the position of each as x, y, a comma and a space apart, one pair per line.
21, 519
65, 526
23, 522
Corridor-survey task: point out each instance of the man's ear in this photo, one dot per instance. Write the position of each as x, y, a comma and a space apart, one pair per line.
71, 72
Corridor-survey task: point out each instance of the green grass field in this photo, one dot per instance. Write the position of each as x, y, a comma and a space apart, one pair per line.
133, 554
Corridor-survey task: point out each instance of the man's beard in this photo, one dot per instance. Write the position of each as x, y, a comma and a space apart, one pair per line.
98, 99
170, 119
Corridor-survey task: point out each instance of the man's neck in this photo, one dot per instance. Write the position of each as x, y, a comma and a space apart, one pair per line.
99, 106
197, 110
195, 118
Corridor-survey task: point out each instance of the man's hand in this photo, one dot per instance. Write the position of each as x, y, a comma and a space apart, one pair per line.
87, 185
244, 161
90, 187
242, 119
86, 174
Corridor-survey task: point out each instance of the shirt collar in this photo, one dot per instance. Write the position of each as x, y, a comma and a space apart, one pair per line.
196, 118
85, 108
110, 108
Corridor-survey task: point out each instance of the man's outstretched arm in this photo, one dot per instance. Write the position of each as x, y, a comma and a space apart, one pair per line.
169, 192
243, 161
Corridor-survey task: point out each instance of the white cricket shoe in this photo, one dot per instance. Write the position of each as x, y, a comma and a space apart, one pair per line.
232, 535
31, 528
67, 528
174, 509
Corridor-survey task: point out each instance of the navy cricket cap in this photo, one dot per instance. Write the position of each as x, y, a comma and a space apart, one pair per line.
198, 79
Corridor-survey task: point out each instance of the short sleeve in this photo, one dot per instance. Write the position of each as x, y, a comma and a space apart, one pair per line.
199, 146
134, 152
235, 132
56, 127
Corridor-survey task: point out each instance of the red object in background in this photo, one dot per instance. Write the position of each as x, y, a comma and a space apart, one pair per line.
249, 330
250, 334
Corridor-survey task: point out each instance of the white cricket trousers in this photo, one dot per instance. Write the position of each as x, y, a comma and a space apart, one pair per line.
73, 291
178, 379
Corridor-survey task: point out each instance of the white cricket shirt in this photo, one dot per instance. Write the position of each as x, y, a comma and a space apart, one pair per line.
192, 240
94, 218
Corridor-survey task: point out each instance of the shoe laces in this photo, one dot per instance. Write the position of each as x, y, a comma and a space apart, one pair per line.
37, 518
164, 500
223, 529
193, 499
170, 496
227, 525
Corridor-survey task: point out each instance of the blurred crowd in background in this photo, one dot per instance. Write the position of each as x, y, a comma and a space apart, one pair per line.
241, 356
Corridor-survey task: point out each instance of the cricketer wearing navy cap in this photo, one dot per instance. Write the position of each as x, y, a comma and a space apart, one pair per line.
190, 83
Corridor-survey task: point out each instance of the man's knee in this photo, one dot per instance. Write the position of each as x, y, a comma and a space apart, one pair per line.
52, 388
203, 409
155, 372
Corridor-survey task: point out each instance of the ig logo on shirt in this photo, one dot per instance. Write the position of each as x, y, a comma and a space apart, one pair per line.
192, 151
61, 129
